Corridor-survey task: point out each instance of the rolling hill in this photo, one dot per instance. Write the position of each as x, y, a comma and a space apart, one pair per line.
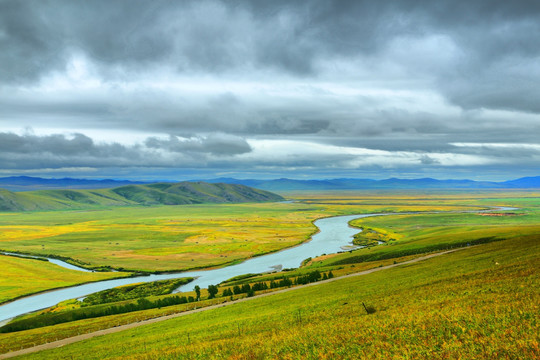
30, 183
150, 194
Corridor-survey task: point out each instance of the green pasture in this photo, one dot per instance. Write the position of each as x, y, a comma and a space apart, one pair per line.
165, 238
172, 238
27, 276
161, 238
480, 302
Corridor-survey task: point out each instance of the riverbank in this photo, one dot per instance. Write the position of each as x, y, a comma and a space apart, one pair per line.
74, 339
333, 233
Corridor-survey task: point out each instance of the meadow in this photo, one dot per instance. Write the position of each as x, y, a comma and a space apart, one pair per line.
27, 276
480, 302
161, 238
176, 238
509, 238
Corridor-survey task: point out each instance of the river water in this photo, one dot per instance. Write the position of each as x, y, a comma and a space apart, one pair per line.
334, 233
54, 261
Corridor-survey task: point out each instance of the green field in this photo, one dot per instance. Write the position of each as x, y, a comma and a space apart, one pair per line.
479, 302
26, 276
168, 238
162, 238
133, 195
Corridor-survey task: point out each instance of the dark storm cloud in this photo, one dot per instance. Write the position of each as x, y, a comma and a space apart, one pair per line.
216, 36
55, 151
59, 148
29, 46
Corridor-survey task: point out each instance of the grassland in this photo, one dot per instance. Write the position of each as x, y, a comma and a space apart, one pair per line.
172, 238
477, 303
27, 276
167, 238
161, 238
133, 195
480, 302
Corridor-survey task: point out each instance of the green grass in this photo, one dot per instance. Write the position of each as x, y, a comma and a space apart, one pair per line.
27, 276
163, 238
134, 291
169, 238
480, 302
152, 194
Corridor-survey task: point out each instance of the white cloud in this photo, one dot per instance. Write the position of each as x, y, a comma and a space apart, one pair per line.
535, 147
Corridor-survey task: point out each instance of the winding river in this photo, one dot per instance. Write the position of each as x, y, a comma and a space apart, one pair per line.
334, 235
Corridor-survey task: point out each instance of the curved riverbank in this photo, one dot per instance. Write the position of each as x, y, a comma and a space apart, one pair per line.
334, 232
49, 259
132, 325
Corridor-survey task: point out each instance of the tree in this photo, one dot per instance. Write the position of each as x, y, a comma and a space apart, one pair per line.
212, 291
197, 292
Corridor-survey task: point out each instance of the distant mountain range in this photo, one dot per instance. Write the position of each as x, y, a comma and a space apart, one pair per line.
150, 194
26, 183
393, 183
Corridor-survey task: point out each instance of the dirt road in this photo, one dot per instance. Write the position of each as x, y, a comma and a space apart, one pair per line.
74, 339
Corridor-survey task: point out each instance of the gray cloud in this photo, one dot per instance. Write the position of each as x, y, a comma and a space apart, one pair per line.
213, 36
53, 151
77, 150
411, 76
215, 144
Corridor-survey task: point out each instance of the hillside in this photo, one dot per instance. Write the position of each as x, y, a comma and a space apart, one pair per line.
152, 194
29, 183
476, 303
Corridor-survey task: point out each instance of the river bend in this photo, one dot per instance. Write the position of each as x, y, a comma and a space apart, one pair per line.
334, 233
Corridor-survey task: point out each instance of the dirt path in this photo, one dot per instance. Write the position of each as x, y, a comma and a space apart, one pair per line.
77, 338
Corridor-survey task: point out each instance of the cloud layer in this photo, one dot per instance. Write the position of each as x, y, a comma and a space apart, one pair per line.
329, 87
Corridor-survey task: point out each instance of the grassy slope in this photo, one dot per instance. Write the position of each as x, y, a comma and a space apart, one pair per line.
481, 302
153, 194
26, 276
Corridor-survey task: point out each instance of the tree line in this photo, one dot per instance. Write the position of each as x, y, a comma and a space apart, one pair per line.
286, 281
47, 319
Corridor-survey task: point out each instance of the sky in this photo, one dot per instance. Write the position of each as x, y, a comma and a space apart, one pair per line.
177, 90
